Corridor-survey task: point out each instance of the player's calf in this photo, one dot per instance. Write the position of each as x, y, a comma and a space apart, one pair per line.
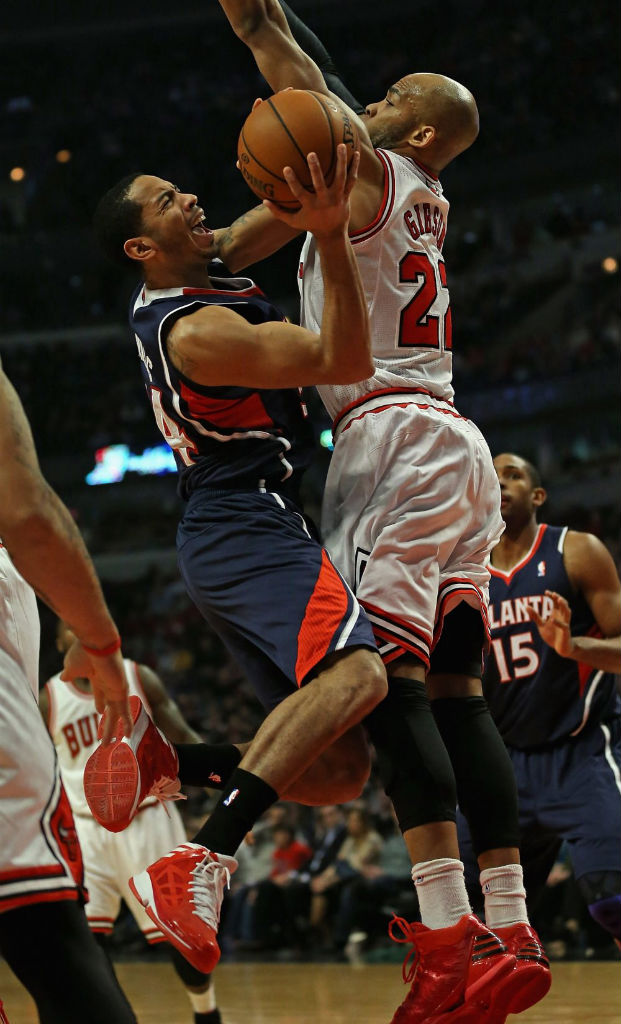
338, 775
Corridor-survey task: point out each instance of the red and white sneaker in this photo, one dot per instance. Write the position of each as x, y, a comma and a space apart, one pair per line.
121, 774
182, 893
513, 992
440, 969
3, 1017
531, 978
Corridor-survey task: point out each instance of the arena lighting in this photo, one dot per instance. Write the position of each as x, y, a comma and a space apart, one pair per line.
610, 265
63, 156
17, 174
114, 461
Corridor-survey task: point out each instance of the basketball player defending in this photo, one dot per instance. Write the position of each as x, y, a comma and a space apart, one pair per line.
411, 512
44, 936
222, 368
555, 619
68, 710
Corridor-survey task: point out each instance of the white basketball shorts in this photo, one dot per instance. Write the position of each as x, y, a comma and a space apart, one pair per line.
40, 858
411, 512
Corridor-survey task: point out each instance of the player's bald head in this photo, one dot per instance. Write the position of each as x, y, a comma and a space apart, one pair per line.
445, 104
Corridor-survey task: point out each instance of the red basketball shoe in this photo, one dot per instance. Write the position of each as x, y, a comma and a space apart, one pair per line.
119, 775
3, 1017
440, 969
531, 978
182, 893
512, 992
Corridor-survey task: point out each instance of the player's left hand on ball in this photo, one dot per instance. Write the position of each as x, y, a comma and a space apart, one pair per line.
325, 210
555, 625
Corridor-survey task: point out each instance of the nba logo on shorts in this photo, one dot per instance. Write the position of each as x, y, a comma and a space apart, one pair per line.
229, 800
541, 568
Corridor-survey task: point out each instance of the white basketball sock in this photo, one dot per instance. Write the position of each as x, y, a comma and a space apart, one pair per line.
505, 896
203, 1002
441, 891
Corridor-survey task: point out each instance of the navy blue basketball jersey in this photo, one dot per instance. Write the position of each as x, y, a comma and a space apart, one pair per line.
222, 437
535, 696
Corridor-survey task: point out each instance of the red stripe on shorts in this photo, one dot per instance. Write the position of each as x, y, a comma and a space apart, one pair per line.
324, 613
34, 873
27, 899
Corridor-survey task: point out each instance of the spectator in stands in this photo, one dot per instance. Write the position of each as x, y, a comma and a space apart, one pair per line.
360, 848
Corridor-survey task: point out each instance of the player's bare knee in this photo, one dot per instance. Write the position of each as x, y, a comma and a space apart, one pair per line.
369, 674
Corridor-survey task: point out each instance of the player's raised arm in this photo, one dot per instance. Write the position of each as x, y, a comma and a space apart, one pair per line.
47, 549
262, 26
215, 346
315, 49
252, 237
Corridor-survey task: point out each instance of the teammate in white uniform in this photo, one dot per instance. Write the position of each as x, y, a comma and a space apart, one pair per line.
110, 858
411, 512
43, 932
411, 507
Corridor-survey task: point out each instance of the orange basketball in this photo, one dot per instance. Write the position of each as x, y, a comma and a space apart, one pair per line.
282, 131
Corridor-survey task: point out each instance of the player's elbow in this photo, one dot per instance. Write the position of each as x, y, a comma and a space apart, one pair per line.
347, 371
24, 523
250, 20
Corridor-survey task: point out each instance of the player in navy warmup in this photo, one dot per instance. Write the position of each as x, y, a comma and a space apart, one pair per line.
221, 368
555, 619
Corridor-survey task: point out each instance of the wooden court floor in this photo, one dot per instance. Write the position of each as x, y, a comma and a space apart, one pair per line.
582, 993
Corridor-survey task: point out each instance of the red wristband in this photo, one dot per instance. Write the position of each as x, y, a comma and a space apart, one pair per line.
103, 652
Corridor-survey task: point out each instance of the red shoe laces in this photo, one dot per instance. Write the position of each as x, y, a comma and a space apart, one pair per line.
409, 930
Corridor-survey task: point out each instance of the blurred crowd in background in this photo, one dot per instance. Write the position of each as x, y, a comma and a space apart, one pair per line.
533, 266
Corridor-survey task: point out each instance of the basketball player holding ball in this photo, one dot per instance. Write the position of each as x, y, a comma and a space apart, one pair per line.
222, 369
411, 513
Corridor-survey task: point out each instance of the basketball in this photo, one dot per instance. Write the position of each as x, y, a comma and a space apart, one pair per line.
282, 131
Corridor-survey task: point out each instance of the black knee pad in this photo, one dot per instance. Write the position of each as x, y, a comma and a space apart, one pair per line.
412, 761
459, 651
486, 788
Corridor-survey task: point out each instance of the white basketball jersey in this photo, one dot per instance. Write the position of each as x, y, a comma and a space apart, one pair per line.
19, 620
400, 259
73, 728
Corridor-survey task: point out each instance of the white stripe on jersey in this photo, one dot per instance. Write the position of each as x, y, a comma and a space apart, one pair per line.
614, 767
588, 700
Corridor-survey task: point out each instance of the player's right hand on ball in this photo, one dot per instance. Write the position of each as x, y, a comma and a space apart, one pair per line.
324, 211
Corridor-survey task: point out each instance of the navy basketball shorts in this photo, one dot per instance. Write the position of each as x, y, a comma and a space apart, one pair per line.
570, 792
267, 588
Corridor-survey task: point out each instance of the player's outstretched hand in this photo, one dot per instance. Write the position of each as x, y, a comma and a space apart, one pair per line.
555, 626
325, 211
108, 682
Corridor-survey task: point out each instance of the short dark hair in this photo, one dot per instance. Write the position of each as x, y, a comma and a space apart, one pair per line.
117, 218
533, 472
